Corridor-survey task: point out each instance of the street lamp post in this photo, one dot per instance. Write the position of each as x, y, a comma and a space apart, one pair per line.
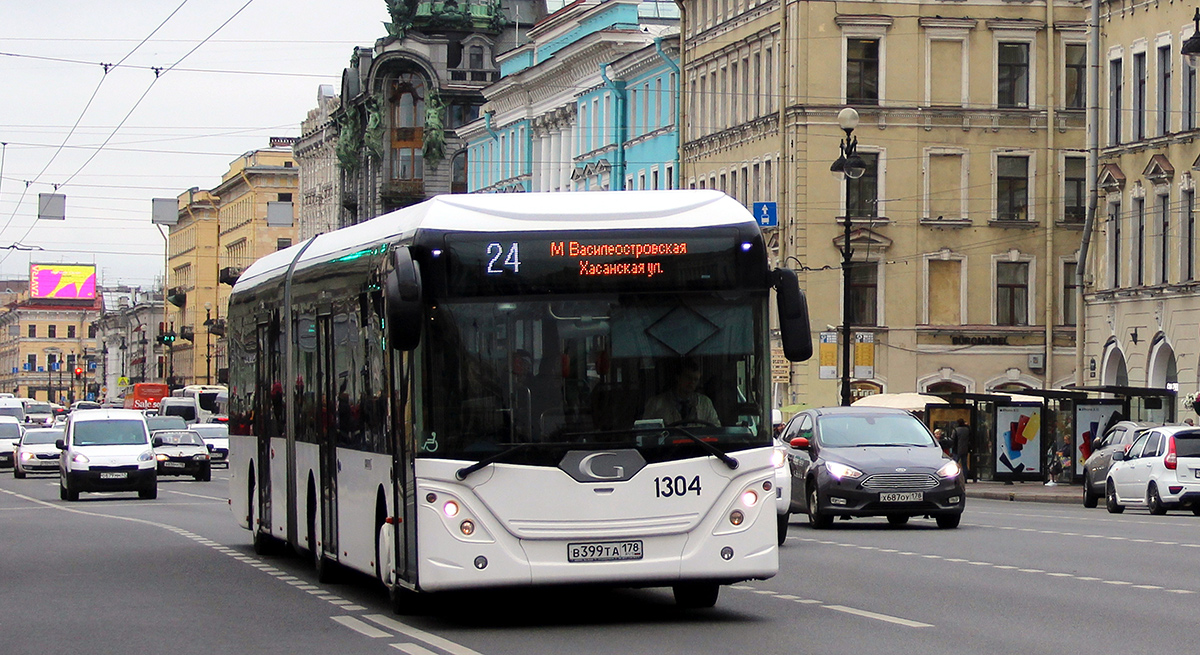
208, 343
848, 165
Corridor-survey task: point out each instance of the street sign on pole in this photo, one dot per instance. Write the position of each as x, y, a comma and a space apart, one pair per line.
764, 213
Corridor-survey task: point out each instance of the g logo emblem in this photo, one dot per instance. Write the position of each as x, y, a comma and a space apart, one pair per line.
602, 465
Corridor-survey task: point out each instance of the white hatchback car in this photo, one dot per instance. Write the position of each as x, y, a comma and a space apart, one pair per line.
10, 434
107, 450
1160, 471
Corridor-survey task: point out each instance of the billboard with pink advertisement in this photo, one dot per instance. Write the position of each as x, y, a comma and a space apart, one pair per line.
62, 281
1018, 441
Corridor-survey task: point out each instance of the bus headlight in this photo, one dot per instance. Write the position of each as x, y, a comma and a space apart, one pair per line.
450, 509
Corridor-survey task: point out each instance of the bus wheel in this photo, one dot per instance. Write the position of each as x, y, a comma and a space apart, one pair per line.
696, 595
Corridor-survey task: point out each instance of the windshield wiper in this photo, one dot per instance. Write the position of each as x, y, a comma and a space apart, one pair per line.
463, 472
713, 450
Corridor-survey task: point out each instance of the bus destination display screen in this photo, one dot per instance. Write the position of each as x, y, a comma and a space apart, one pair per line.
513, 263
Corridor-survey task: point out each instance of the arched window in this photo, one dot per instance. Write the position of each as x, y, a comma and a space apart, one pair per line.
458, 173
945, 388
406, 101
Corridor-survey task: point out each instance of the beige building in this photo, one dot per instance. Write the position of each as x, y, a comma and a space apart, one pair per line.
219, 233
42, 342
320, 178
1143, 299
965, 228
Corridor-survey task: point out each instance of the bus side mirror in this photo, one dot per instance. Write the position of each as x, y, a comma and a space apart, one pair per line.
794, 329
405, 311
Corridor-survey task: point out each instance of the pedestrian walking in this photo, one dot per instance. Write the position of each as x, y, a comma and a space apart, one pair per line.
961, 438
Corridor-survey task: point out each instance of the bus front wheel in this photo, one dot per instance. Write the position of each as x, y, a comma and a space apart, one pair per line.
696, 595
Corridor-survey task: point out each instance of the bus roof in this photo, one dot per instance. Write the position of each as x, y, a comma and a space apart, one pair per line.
519, 212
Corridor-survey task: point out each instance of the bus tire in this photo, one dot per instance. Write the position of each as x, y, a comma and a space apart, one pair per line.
696, 595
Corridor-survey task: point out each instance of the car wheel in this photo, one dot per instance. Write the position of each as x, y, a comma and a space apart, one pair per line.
1196, 509
149, 492
1090, 498
1154, 501
696, 595
816, 518
1110, 499
18, 473
72, 494
62, 488
204, 476
782, 521
948, 521
897, 519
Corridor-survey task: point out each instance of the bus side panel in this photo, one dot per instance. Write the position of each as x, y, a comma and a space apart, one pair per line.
526, 517
243, 451
362, 475
278, 528
308, 462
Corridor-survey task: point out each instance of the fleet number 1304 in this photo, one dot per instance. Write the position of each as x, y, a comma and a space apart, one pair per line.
666, 487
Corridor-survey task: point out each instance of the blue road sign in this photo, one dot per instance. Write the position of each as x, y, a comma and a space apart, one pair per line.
764, 213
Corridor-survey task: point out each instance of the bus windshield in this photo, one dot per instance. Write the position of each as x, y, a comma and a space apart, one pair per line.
620, 371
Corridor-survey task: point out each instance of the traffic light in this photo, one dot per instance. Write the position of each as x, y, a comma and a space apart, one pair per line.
168, 338
78, 372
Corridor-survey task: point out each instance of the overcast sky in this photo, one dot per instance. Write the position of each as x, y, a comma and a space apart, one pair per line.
254, 78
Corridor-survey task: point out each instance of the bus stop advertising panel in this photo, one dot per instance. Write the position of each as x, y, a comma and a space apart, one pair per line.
1018, 440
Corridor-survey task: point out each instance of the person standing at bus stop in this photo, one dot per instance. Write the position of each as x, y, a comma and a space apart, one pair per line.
962, 447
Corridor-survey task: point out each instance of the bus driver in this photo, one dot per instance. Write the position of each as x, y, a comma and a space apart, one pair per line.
682, 403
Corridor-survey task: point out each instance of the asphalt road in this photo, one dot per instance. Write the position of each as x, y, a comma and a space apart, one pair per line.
114, 574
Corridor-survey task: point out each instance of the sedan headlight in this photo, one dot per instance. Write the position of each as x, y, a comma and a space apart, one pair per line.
26, 456
950, 470
839, 471
148, 456
80, 458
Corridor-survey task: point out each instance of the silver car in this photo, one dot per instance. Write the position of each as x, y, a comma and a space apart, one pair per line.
1095, 469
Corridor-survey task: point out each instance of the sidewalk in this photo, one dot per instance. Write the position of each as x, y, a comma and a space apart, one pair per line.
1035, 492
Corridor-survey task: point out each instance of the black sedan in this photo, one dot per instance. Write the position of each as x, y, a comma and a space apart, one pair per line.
182, 452
870, 461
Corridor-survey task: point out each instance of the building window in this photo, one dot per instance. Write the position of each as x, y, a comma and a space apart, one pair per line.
1070, 290
1189, 96
91, 331
285, 197
1164, 90
1116, 91
864, 282
458, 173
407, 101
1075, 190
70, 331
51, 331
1012, 75
862, 71
1187, 200
283, 242
32, 331
31, 360
1139, 96
1114, 244
1164, 236
1139, 248
862, 195
1012, 188
1012, 293
1075, 82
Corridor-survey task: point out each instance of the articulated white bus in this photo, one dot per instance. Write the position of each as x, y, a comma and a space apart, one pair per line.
455, 395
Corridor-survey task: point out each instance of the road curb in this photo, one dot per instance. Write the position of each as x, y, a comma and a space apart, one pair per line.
1068, 498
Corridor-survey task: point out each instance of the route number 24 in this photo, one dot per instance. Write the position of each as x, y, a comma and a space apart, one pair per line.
676, 486
499, 260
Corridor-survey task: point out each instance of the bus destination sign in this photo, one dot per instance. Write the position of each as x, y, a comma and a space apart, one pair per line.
487, 264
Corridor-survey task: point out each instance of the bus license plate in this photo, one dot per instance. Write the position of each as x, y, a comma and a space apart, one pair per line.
604, 551
910, 497
113, 476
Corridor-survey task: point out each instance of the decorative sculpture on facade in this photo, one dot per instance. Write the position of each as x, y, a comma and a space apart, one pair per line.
435, 131
349, 139
375, 137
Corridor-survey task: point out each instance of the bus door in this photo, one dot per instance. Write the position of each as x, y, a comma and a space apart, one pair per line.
327, 393
263, 413
402, 479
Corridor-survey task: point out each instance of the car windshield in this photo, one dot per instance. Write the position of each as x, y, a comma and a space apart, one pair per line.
212, 431
178, 438
186, 412
9, 430
867, 430
41, 437
13, 410
38, 408
1187, 444
109, 433
165, 423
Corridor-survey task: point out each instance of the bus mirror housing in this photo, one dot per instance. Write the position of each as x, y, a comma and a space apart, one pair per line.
405, 310
794, 329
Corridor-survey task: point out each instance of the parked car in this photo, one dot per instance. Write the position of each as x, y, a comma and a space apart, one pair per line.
870, 461
107, 450
1160, 471
1095, 469
10, 434
37, 452
216, 435
182, 452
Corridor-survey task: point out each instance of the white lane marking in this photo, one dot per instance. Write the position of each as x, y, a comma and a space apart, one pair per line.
184, 493
420, 635
353, 608
412, 649
879, 617
360, 627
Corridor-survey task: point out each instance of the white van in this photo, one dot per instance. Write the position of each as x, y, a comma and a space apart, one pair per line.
107, 450
187, 408
13, 407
